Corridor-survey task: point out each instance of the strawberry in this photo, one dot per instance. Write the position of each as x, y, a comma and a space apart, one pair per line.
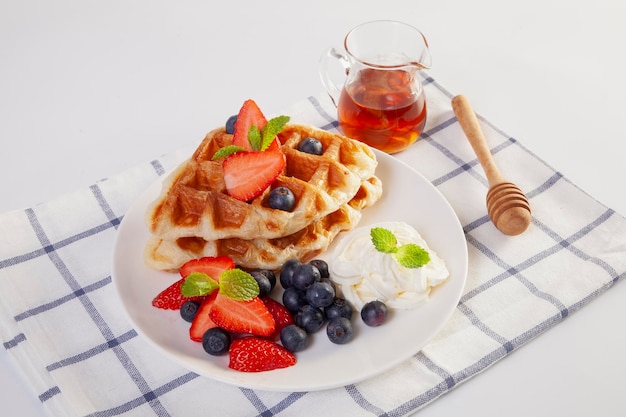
254, 354
202, 321
250, 115
282, 316
248, 174
171, 298
212, 266
242, 316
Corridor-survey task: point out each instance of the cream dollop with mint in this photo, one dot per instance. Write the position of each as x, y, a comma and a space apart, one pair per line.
388, 261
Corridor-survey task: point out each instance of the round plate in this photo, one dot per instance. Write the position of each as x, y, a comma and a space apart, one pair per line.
407, 196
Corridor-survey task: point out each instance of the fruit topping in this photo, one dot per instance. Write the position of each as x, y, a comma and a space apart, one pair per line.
374, 313
339, 308
212, 266
249, 115
339, 330
216, 341
201, 321
310, 145
282, 316
286, 272
322, 266
281, 198
254, 354
172, 297
250, 317
294, 299
248, 174
304, 276
294, 338
265, 279
230, 124
311, 319
320, 294
189, 309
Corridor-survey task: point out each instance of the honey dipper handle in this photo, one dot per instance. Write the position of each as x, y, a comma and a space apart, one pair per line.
469, 123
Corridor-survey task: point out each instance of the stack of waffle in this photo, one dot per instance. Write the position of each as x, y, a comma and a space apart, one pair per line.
194, 216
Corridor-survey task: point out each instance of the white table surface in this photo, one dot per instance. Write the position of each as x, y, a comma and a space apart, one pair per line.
90, 88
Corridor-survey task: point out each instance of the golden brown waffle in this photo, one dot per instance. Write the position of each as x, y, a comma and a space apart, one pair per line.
304, 244
194, 203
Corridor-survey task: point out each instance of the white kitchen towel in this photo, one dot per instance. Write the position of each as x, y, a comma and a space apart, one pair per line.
62, 323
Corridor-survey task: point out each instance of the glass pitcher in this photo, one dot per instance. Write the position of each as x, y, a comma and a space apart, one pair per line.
381, 102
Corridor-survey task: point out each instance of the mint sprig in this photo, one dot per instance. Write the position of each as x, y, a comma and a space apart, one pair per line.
197, 284
238, 285
409, 255
233, 283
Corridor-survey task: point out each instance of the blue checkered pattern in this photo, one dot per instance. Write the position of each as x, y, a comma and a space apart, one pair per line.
62, 323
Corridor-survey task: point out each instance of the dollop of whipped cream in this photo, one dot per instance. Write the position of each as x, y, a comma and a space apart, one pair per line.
365, 274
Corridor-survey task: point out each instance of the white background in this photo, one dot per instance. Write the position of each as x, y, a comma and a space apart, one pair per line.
89, 88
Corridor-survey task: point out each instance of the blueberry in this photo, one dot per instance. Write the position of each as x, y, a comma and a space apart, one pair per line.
339, 330
294, 338
329, 282
293, 299
261, 278
230, 124
311, 319
320, 294
322, 266
304, 276
216, 341
339, 308
286, 272
281, 198
374, 313
310, 145
269, 274
188, 310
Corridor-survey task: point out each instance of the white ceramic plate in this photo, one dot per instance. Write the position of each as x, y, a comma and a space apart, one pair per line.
407, 197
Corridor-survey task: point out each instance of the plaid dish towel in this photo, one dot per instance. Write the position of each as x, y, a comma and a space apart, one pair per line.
62, 323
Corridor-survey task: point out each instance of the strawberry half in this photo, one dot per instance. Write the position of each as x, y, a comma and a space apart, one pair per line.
202, 321
253, 354
212, 266
282, 316
250, 115
171, 298
236, 316
248, 174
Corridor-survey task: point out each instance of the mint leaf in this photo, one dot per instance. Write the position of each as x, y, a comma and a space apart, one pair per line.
238, 285
384, 240
273, 127
412, 256
409, 255
198, 283
226, 151
254, 137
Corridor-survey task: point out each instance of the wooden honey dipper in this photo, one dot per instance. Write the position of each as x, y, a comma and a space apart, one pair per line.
507, 205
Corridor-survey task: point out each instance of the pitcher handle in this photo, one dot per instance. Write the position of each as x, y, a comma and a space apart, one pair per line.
331, 88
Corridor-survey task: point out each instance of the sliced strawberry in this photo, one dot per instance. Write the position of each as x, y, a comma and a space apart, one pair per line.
171, 298
253, 354
251, 317
250, 115
248, 174
212, 266
282, 316
202, 321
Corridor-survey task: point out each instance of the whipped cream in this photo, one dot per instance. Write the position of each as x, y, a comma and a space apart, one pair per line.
364, 274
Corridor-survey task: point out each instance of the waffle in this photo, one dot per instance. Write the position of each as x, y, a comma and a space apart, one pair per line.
304, 244
194, 204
